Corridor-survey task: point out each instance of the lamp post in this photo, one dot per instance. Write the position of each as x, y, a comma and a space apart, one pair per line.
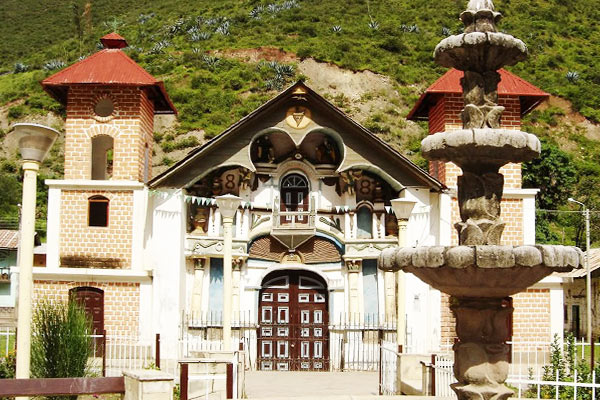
33, 141
402, 208
228, 205
588, 283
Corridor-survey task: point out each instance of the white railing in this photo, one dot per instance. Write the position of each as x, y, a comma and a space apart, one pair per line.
7, 340
547, 389
526, 372
294, 219
388, 364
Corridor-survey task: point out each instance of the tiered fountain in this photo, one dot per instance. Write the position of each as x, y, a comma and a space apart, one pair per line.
480, 273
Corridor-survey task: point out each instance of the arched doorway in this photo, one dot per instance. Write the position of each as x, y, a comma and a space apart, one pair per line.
92, 300
294, 197
293, 322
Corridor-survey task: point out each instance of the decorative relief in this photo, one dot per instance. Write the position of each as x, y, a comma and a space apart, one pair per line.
214, 247
298, 117
353, 265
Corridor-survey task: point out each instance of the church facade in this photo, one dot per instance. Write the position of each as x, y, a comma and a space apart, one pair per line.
145, 254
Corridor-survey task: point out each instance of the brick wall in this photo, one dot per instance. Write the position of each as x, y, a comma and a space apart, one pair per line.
121, 302
445, 116
78, 240
130, 126
531, 319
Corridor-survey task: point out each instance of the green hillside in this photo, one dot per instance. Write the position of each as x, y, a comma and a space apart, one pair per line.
180, 42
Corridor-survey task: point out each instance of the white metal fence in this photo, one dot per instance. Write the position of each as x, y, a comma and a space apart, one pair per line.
526, 373
7, 340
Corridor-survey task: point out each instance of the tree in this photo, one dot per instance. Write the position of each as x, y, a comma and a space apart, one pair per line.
553, 173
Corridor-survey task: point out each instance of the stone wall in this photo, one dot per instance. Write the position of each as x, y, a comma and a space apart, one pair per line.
531, 318
121, 302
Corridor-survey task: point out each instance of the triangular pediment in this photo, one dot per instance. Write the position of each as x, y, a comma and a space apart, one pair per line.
297, 111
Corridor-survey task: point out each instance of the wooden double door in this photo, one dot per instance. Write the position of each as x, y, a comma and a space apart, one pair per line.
293, 322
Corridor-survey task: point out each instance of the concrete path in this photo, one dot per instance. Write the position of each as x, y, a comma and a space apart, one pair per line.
315, 385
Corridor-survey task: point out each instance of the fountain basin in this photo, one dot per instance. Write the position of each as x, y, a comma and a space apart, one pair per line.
480, 51
487, 271
492, 146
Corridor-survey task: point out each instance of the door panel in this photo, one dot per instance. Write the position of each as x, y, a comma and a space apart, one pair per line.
297, 336
92, 300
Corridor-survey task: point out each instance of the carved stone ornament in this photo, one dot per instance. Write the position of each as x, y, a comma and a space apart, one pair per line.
298, 117
353, 265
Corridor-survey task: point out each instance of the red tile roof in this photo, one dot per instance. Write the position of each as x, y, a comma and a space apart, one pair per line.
9, 239
109, 66
510, 85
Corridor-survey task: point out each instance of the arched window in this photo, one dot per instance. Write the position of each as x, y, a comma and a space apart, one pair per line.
102, 157
364, 222
98, 211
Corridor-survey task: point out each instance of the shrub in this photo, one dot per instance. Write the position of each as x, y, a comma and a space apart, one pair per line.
61, 342
8, 365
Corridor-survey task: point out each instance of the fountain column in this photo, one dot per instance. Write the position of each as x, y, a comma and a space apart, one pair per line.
480, 273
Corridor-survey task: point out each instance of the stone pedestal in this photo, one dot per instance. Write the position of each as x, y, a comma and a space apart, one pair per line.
148, 385
481, 355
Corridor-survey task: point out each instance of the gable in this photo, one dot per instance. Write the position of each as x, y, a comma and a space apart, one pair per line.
292, 119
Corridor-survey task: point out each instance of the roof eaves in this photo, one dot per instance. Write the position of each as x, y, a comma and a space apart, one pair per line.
212, 142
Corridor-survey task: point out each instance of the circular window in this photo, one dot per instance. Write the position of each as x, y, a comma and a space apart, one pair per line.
104, 107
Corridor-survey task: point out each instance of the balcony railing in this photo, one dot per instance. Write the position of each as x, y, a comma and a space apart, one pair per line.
294, 219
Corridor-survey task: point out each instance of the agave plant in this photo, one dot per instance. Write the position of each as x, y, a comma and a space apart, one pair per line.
256, 11
223, 29
374, 25
336, 29
54, 64
20, 67
446, 31
211, 62
572, 76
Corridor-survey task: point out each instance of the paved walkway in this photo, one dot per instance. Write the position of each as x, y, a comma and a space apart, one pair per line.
316, 385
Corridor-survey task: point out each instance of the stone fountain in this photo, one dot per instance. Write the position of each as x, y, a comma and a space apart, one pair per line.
481, 273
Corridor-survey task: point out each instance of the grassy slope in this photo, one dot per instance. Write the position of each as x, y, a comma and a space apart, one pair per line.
394, 37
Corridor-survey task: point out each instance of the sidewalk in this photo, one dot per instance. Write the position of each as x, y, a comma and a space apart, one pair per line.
314, 385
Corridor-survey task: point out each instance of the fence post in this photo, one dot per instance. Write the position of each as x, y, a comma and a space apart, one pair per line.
380, 366
183, 382
104, 353
433, 374
592, 351
157, 351
229, 381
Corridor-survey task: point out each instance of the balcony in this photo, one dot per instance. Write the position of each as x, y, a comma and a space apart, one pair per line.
292, 228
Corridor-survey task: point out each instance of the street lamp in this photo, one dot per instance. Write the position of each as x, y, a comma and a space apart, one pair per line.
33, 141
588, 283
228, 205
402, 208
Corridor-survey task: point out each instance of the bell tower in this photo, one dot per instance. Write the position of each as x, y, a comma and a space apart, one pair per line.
94, 218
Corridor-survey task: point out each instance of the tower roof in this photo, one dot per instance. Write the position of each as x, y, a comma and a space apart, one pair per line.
510, 84
110, 66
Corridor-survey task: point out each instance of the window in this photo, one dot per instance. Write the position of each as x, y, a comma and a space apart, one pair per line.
104, 107
364, 218
215, 287
98, 211
102, 157
370, 293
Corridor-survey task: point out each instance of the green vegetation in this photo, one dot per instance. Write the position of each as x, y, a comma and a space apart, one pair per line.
61, 343
188, 44
565, 362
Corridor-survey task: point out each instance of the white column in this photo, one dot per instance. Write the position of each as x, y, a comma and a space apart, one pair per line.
237, 271
227, 284
30, 169
53, 231
198, 282
401, 317
389, 297
353, 267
